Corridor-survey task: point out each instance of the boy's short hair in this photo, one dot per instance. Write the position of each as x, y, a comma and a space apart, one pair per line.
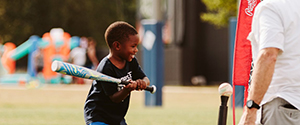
118, 31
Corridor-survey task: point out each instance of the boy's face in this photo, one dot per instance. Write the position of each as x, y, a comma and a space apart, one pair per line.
129, 48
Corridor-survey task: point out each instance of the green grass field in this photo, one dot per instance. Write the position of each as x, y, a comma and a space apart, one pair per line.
63, 105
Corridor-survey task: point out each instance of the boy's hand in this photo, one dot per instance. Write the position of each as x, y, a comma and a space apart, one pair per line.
131, 86
136, 85
141, 84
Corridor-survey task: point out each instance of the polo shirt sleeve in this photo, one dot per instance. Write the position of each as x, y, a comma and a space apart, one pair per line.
270, 31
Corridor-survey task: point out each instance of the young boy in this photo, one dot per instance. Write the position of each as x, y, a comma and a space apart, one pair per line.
107, 103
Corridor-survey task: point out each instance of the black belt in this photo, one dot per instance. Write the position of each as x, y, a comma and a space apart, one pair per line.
289, 106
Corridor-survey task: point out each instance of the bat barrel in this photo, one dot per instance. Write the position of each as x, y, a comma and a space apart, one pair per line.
54, 66
82, 72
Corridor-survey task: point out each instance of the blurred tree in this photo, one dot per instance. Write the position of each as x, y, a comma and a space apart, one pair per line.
19, 19
219, 11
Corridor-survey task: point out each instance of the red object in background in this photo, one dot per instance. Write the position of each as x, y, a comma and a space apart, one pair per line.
8, 63
242, 51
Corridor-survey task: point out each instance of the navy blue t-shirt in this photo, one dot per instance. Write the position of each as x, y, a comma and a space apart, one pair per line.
98, 106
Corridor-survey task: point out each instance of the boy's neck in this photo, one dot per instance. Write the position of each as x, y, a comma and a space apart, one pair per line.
117, 61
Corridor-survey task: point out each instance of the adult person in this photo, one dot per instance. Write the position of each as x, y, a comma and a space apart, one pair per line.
274, 97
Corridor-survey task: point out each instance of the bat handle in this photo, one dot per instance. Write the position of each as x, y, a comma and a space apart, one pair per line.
125, 82
151, 89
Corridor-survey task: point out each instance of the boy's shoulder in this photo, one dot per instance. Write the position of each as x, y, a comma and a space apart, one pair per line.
133, 62
104, 64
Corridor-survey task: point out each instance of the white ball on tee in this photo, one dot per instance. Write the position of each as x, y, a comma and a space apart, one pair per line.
225, 89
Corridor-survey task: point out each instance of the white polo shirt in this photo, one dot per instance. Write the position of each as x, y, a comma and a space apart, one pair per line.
276, 23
